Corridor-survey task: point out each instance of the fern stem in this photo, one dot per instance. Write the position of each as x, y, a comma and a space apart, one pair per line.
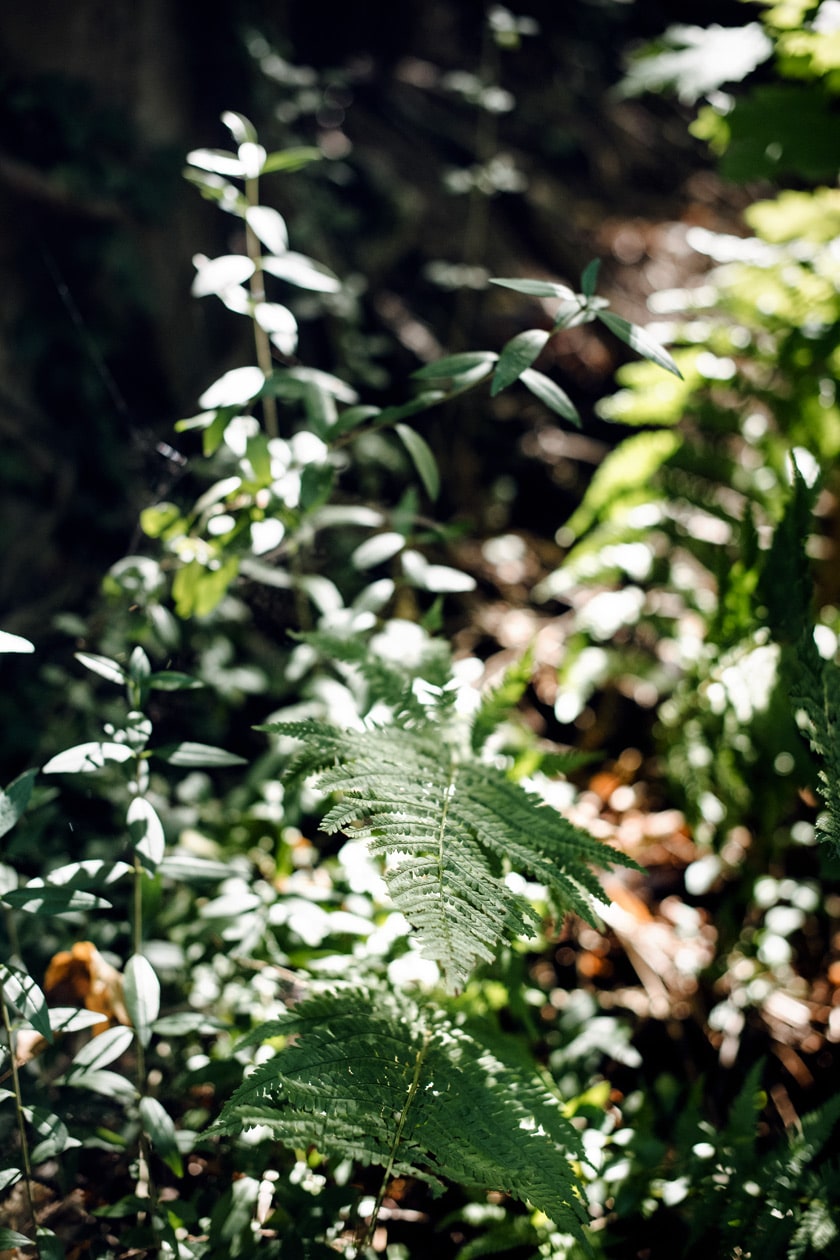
367, 1241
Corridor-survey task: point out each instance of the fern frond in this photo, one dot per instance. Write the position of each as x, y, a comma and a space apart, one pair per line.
385, 1081
449, 828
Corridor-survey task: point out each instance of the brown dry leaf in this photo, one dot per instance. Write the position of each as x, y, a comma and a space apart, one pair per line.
81, 977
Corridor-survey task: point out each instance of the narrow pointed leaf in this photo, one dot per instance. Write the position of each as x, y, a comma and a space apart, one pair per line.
640, 341
455, 365
422, 458
11, 1238
518, 355
218, 161
14, 643
537, 288
84, 758
15, 800
160, 1130
551, 394
37, 898
291, 159
22, 993
146, 832
104, 1049
240, 127
192, 754
141, 990
102, 665
269, 226
173, 680
589, 279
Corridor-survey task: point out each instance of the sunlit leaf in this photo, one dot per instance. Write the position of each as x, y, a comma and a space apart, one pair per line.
640, 341
14, 643
219, 161
14, 800
109, 1084
537, 288
240, 127
8, 1177
104, 1049
37, 898
188, 753
214, 275
53, 1133
377, 550
269, 226
517, 356
279, 322
102, 665
83, 758
184, 867
422, 458
303, 272
11, 1238
551, 394
236, 387
141, 990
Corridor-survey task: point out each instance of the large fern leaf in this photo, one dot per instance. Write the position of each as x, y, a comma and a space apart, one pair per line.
449, 829
384, 1081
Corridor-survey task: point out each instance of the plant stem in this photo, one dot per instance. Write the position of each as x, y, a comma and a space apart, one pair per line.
257, 286
24, 1141
367, 1240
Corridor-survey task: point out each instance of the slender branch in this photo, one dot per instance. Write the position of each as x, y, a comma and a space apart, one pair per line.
257, 287
367, 1240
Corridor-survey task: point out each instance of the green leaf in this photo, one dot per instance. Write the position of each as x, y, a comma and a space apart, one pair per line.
352, 417
637, 339
14, 800
377, 549
139, 666
378, 1078
552, 395
37, 898
538, 288
104, 1049
519, 353
240, 127
183, 1023
155, 522
85, 758
11, 1238
109, 1084
22, 993
8, 1177
455, 365
172, 680
197, 590
291, 159
422, 458
14, 643
589, 279
302, 272
316, 484
50, 1246
141, 990
103, 665
183, 867
191, 754
52, 1131
146, 832
160, 1130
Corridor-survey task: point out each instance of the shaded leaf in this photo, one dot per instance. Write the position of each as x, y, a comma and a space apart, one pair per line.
551, 394
291, 159
141, 991
109, 1084
172, 680
640, 341
160, 1129
22, 993
455, 365
14, 800
589, 278
37, 898
519, 353
422, 458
